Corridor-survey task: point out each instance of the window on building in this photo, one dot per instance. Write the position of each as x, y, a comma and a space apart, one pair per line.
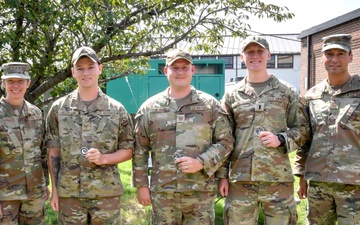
271, 62
243, 66
208, 57
229, 61
285, 61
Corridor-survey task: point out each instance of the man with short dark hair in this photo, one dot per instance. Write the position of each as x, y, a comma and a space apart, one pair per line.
331, 163
88, 134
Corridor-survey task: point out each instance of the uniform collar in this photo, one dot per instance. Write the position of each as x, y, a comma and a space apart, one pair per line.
166, 99
9, 110
245, 87
78, 105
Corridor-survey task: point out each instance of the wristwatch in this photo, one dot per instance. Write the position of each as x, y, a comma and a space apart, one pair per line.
281, 139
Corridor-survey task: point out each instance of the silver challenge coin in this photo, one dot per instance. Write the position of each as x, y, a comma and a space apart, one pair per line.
259, 130
178, 154
84, 150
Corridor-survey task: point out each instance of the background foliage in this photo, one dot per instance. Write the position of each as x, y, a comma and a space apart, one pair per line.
123, 32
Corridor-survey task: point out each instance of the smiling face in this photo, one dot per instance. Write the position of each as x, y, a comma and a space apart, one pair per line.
15, 89
86, 72
179, 74
336, 61
255, 57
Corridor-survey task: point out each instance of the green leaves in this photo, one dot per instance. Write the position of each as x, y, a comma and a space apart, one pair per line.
124, 33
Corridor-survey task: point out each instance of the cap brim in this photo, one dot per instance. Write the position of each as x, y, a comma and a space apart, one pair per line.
176, 58
15, 75
332, 46
244, 47
82, 55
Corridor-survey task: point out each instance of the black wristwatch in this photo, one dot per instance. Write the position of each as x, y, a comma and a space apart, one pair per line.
281, 139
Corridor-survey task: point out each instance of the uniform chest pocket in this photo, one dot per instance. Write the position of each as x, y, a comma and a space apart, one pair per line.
244, 114
107, 130
194, 131
277, 106
36, 130
162, 120
10, 136
69, 129
318, 112
162, 127
6, 143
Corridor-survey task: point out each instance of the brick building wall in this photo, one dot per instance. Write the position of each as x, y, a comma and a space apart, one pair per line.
317, 71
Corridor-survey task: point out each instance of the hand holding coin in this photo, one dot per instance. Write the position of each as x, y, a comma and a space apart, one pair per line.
188, 164
93, 155
269, 139
259, 130
83, 151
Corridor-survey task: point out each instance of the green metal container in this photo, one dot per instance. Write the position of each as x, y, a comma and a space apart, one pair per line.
133, 90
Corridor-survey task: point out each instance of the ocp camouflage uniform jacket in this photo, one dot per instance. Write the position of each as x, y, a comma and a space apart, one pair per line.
198, 129
104, 125
277, 109
22, 156
334, 155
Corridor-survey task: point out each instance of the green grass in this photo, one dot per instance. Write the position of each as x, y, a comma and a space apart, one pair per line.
135, 214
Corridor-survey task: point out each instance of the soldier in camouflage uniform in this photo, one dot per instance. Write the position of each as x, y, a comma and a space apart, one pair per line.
22, 156
88, 134
332, 163
189, 137
268, 121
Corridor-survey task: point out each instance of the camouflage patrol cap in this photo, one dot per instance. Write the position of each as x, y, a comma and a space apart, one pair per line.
84, 51
15, 70
340, 41
254, 39
176, 54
